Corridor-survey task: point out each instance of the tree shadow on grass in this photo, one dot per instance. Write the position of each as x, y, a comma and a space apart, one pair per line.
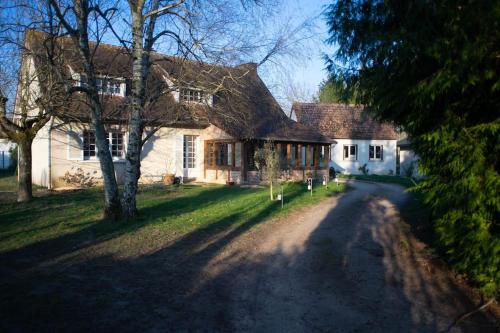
44, 288
349, 274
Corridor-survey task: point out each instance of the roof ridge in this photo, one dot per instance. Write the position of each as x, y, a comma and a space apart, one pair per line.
241, 66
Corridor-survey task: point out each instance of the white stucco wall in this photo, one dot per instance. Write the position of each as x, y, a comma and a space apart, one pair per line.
162, 153
382, 167
40, 157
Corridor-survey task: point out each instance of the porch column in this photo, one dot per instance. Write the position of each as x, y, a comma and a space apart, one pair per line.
316, 155
289, 154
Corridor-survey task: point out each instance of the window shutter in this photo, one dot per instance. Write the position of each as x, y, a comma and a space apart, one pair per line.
381, 153
356, 152
75, 145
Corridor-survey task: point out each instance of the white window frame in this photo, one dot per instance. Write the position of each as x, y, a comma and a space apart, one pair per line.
110, 143
189, 152
350, 156
122, 85
373, 157
193, 95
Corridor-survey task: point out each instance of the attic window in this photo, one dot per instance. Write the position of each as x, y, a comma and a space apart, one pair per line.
191, 95
106, 85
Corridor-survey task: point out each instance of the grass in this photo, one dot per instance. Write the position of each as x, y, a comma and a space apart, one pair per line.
404, 181
8, 181
164, 213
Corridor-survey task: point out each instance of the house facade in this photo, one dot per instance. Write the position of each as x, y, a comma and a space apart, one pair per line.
203, 123
361, 143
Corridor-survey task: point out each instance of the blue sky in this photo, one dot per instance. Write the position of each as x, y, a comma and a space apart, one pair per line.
307, 70
313, 71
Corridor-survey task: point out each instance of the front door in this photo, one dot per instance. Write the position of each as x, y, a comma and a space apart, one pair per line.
190, 169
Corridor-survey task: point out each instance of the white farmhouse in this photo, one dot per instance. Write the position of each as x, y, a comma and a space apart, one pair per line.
360, 141
204, 122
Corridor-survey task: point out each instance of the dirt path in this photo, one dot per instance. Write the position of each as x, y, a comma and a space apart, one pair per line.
347, 265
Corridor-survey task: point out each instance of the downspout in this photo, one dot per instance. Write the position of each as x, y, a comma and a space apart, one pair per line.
49, 171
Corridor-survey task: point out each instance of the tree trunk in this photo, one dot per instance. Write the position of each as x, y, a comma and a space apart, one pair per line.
135, 121
271, 189
25, 191
112, 207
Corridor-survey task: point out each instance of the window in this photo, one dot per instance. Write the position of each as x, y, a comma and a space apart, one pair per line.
293, 157
105, 85
221, 150
189, 151
115, 140
191, 95
210, 158
89, 147
322, 152
376, 153
109, 86
283, 156
116, 144
312, 155
351, 152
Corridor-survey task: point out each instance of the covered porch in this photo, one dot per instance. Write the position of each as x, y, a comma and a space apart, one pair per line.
227, 161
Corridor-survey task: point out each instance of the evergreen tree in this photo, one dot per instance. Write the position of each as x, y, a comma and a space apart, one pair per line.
432, 68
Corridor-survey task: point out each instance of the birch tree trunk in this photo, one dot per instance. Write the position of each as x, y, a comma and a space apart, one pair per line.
140, 68
112, 206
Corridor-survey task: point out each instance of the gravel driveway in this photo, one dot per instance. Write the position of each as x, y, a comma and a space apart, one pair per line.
345, 265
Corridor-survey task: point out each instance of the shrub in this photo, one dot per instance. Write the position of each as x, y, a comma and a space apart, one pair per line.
364, 169
79, 178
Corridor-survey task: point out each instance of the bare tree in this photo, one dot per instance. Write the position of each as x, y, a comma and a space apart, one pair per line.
76, 20
40, 87
213, 31
268, 162
194, 28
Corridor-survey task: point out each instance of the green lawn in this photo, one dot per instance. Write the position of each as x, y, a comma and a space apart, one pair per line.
165, 213
8, 181
404, 181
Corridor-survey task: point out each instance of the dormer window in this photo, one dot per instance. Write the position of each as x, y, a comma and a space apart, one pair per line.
191, 95
107, 86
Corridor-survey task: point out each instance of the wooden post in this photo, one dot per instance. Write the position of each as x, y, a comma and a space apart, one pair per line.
243, 163
289, 154
316, 155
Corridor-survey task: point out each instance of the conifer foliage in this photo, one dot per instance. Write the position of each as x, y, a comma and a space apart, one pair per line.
432, 67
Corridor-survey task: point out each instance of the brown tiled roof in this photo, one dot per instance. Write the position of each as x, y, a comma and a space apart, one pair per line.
341, 121
243, 106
